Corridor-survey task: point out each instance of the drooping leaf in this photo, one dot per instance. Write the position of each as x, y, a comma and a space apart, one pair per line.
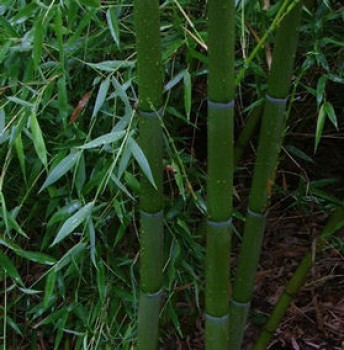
37, 257
60, 169
7, 264
71, 255
101, 96
320, 126
92, 235
38, 140
111, 66
112, 21
331, 114
104, 139
73, 222
141, 160
187, 94
49, 287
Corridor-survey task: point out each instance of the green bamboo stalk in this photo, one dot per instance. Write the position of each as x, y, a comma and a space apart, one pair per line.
335, 223
150, 84
220, 168
270, 141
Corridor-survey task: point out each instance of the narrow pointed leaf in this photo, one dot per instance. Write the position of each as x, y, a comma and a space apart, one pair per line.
102, 92
7, 264
141, 160
73, 222
38, 140
62, 168
187, 94
49, 287
103, 140
113, 25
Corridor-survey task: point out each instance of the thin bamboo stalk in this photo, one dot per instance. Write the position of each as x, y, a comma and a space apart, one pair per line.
270, 141
220, 168
150, 84
247, 133
335, 223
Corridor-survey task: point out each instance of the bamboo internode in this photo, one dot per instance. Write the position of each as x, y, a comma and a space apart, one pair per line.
150, 84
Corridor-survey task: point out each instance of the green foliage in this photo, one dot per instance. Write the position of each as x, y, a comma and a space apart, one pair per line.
70, 157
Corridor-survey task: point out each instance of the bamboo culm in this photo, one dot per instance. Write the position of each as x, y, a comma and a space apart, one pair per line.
335, 223
220, 169
270, 141
150, 85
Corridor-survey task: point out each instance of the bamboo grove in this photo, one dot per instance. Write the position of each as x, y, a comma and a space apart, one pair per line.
226, 308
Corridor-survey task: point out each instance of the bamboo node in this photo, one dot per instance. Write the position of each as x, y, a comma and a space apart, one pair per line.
237, 304
156, 114
215, 319
275, 100
221, 224
255, 214
155, 295
221, 105
152, 215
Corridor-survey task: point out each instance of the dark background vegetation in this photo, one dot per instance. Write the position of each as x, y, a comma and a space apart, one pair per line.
68, 222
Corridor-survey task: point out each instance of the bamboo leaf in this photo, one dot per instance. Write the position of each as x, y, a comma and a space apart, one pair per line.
73, 222
111, 66
7, 26
49, 287
331, 114
101, 96
113, 25
92, 234
20, 101
187, 94
104, 139
174, 81
71, 255
3, 133
37, 42
20, 154
321, 89
62, 97
119, 184
37, 257
61, 169
141, 160
38, 140
7, 264
320, 126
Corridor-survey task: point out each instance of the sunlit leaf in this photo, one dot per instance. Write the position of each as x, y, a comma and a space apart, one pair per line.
101, 96
60, 169
104, 139
73, 222
112, 21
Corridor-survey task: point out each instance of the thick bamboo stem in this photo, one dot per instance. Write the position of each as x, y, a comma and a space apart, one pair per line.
150, 84
335, 222
270, 140
220, 168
